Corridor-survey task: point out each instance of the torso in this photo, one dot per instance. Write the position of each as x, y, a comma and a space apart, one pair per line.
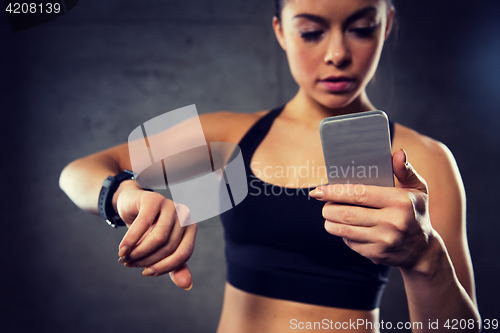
288, 143
242, 312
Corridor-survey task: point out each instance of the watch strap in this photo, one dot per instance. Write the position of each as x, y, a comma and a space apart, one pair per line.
105, 204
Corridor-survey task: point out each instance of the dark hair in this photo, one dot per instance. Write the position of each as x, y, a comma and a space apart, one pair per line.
279, 4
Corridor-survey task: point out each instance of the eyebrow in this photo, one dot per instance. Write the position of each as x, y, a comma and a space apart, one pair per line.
352, 18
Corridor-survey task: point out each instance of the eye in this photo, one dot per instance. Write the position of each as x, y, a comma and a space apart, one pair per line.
364, 32
311, 36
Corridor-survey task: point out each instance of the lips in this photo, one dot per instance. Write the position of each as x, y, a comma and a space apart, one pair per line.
337, 84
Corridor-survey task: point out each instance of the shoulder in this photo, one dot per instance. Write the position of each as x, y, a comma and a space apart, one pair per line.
427, 155
227, 126
436, 164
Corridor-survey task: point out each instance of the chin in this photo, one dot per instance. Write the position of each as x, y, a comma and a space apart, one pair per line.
336, 101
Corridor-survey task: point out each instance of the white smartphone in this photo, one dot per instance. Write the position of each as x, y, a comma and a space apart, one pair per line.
357, 149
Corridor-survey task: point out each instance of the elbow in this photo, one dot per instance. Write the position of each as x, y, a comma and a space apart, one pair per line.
75, 182
66, 176
63, 177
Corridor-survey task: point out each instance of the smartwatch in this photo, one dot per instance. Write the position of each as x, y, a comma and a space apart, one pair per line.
109, 187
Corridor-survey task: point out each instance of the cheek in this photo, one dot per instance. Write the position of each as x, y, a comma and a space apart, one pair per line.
303, 64
367, 57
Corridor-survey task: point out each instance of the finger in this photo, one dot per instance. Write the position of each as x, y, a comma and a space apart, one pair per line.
179, 257
149, 258
359, 195
406, 174
182, 277
368, 250
351, 232
183, 214
147, 214
166, 234
352, 215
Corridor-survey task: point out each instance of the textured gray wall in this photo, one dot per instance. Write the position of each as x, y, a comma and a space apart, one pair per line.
81, 83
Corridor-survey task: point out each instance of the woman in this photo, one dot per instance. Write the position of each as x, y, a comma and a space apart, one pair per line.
280, 278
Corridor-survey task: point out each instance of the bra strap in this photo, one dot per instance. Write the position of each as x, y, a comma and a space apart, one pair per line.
256, 134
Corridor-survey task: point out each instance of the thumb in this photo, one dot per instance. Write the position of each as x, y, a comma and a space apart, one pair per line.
406, 174
181, 276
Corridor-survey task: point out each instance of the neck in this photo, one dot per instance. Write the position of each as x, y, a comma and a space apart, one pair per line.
308, 110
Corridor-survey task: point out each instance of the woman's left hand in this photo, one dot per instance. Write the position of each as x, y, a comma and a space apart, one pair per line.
387, 225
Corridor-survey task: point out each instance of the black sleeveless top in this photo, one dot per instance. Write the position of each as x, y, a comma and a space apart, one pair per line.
277, 246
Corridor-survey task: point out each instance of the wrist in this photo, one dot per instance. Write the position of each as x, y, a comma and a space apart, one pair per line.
126, 185
105, 203
431, 260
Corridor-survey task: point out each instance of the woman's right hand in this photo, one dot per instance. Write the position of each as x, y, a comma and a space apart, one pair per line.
155, 239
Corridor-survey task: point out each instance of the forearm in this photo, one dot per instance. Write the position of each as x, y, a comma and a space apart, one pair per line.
435, 294
82, 179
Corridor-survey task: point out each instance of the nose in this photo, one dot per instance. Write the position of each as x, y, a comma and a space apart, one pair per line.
338, 53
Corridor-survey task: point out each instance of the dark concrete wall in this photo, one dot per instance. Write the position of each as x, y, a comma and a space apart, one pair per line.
81, 83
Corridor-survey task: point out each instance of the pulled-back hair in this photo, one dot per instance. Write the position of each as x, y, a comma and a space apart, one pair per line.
279, 4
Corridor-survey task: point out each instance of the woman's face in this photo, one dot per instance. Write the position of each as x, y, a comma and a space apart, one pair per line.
333, 46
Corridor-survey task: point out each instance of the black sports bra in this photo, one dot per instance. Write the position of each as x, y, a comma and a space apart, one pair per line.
277, 246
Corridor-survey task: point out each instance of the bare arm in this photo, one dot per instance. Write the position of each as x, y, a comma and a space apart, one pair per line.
392, 226
440, 287
155, 240
82, 179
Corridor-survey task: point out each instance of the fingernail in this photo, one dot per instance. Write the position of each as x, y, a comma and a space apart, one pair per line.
317, 193
406, 158
123, 251
123, 260
149, 272
189, 288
